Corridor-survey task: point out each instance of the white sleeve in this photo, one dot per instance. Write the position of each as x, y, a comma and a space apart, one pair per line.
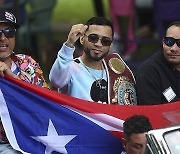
62, 69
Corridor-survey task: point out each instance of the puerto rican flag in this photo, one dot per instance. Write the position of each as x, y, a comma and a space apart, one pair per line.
41, 121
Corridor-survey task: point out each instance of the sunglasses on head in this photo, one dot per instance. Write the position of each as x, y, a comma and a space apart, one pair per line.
9, 33
170, 41
93, 38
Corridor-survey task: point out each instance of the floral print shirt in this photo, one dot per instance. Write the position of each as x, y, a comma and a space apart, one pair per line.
29, 71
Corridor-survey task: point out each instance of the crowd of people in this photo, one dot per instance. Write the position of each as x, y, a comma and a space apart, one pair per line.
96, 75
96, 72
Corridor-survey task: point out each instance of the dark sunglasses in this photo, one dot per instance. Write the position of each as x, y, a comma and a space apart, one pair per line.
170, 41
105, 41
9, 33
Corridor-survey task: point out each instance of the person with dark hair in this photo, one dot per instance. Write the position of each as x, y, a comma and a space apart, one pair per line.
94, 76
158, 79
18, 66
134, 129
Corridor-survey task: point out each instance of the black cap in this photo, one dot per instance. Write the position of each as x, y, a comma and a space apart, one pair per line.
9, 18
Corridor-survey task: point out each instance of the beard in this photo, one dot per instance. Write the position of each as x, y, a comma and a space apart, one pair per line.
94, 58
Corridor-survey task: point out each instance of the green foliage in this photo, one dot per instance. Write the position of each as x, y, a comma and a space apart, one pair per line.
75, 11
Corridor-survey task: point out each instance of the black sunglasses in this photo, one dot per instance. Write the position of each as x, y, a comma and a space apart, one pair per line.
105, 41
9, 33
170, 41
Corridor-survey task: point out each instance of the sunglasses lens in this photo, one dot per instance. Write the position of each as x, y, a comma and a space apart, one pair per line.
169, 41
178, 43
106, 41
93, 38
9, 33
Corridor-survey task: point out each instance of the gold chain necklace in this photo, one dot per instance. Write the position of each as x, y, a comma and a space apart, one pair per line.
98, 82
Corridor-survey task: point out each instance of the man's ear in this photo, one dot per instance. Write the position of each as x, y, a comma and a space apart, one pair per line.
81, 39
124, 142
111, 45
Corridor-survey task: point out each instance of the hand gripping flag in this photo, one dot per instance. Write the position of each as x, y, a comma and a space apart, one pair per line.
38, 120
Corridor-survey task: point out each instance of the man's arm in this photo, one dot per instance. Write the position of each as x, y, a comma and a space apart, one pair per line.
62, 68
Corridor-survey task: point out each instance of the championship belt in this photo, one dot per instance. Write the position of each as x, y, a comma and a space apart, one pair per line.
121, 81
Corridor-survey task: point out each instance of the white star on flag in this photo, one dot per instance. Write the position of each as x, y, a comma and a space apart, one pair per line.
53, 141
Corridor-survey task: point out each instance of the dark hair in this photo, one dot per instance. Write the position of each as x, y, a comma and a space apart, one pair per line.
100, 21
136, 124
174, 23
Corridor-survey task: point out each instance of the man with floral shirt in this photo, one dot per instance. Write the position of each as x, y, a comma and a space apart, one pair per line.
19, 66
